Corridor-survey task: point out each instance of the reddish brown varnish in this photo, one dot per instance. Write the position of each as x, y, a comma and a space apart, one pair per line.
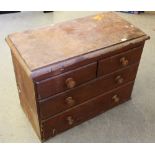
72, 71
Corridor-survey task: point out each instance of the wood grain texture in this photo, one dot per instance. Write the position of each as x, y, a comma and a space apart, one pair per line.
48, 45
82, 60
26, 92
56, 104
58, 84
113, 63
70, 72
85, 111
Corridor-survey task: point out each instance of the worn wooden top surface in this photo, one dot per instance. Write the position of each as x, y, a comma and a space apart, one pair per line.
48, 45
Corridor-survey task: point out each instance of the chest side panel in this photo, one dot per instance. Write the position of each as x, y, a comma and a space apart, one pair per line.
26, 92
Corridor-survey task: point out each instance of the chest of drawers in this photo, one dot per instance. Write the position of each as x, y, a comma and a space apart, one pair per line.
70, 72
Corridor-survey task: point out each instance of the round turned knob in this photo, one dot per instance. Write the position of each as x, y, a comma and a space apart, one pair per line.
124, 61
70, 120
70, 101
70, 83
116, 99
119, 79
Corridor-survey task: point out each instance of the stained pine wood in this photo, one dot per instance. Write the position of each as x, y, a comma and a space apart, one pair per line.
26, 91
57, 84
44, 46
85, 111
70, 72
57, 104
113, 63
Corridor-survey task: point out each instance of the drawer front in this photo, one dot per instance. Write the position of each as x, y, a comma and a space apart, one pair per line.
66, 81
119, 61
86, 111
66, 100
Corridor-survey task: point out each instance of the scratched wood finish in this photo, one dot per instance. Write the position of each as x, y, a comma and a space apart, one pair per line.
85, 111
113, 63
57, 103
70, 72
58, 84
41, 47
76, 62
26, 91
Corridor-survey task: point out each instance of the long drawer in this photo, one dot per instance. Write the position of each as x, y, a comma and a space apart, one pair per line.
68, 80
68, 99
85, 111
119, 61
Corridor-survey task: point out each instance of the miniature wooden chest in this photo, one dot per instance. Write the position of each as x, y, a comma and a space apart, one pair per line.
70, 72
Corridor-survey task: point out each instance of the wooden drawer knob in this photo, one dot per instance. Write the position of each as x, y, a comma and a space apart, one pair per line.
70, 83
119, 79
116, 99
70, 120
70, 101
124, 61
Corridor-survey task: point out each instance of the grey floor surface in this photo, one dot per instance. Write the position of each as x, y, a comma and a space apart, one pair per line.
133, 121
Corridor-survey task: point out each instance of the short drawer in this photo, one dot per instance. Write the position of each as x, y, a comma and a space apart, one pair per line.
66, 81
85, 111
119, 61
68, 99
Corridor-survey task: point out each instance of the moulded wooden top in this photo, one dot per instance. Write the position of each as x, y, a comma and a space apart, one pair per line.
48, 45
